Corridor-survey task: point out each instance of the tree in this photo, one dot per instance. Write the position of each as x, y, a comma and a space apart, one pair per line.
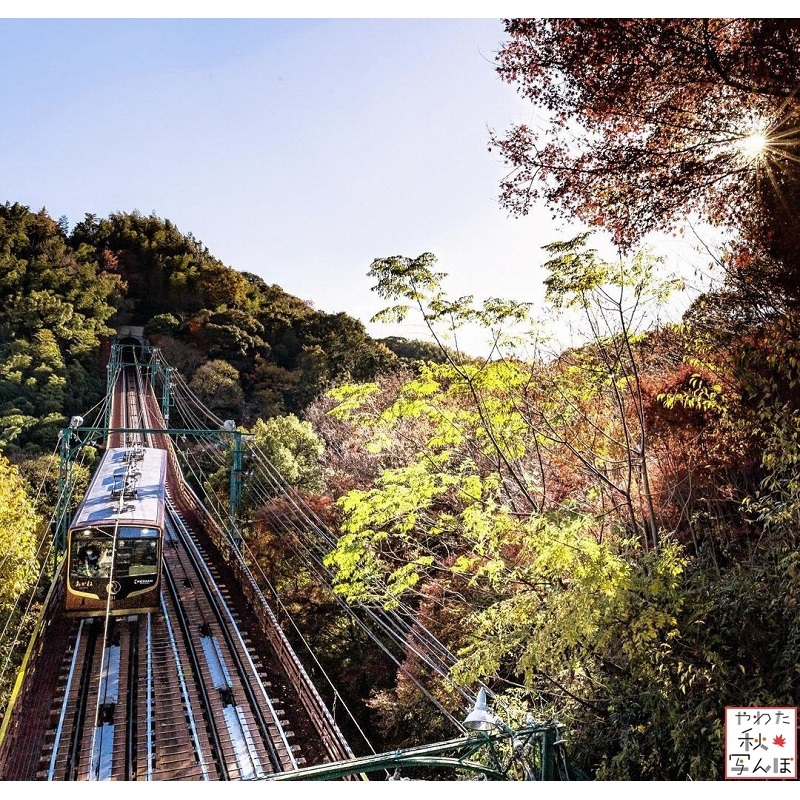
292, 448
47, 284
620, 301
286, 353
32, 385
18, 524
411, 350
55, 304
216, 383
518, 507
647, 119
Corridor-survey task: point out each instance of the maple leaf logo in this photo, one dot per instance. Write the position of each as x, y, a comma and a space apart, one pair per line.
779, 741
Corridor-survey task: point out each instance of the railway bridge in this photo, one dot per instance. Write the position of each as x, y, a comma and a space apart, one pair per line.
209, 686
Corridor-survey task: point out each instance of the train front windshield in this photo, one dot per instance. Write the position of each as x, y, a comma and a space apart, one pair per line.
93, 549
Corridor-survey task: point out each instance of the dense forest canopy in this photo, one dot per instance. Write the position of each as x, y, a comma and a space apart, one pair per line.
608, 537
245, 346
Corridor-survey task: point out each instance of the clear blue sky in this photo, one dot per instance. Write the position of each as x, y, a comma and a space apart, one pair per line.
297, 149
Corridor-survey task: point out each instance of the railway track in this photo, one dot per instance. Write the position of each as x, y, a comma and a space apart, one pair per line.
175, 695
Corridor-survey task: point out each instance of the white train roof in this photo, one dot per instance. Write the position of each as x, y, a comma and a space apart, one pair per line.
128, 486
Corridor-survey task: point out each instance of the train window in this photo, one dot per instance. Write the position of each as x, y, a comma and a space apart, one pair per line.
91, 557
145, 558
135, 532
137, 551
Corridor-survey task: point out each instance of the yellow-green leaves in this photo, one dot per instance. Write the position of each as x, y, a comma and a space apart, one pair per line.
350, 398
18, 523
293, 449
406, 278
574, 603
579, 277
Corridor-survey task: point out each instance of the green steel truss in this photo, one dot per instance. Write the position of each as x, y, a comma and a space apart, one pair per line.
534, 752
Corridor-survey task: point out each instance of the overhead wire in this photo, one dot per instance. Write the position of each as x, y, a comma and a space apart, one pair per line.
142, 421
447, 658
314, 562
287, 614
400, 633
402, 625
313, 539
221, 461
328, 540
391, 623
43, 558
398, 628
94, 765
281, 486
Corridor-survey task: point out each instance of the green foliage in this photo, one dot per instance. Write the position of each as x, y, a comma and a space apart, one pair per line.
575, 526
32, 385
444, 510
413, 350
572, 525
166, 271
350, 397
773, 378
217, 385
574, 604
293, 449
701, 394
162, 323
41, 479
415, 282
18, 525
55, 304
48, 285
406, 278
578, 276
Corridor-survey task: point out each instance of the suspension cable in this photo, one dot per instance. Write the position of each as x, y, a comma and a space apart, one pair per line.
404, 625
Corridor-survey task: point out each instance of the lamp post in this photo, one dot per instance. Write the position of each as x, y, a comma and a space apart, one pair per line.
481, 718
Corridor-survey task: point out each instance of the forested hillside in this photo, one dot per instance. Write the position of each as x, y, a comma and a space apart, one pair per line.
246, 347
606, 533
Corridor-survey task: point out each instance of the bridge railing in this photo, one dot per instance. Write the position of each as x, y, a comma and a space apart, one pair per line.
26, 674
318, 712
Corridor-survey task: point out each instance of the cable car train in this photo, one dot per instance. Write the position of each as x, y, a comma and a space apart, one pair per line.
114, 543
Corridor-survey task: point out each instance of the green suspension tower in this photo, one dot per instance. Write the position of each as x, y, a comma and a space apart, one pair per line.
165, 374
69, 444
236, 483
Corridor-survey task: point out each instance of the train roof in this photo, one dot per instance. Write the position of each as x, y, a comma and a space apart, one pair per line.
110, 498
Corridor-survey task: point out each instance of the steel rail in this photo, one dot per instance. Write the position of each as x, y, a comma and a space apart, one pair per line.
187, 704
71, 771
149, 704
63, 715
247, 757
211, 725
221, 611
131, 703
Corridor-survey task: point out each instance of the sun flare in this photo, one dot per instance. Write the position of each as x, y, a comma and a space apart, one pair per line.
753, 145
